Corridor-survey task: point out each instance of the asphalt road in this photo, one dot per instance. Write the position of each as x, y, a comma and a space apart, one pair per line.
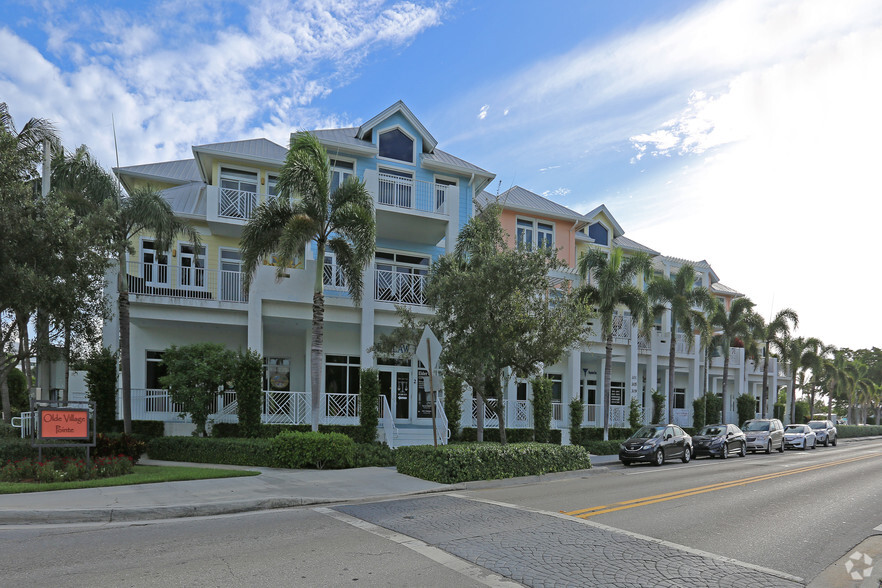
796, 512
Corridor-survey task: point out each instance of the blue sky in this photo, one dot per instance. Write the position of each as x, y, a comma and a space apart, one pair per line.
741, 132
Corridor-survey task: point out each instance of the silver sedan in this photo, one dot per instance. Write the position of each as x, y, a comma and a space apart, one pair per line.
799, 437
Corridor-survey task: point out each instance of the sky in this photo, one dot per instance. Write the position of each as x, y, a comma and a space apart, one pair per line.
742, 132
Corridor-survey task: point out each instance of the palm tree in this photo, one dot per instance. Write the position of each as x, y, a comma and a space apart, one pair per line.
770, 334
736, 324
679, 295
799, 353
306, 212
126, 216
613, 275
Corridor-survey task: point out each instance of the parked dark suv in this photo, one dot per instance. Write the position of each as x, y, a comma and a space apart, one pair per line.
656, 444
719, 441
764, 435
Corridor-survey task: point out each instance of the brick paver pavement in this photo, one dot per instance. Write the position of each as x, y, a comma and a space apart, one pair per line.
538, 549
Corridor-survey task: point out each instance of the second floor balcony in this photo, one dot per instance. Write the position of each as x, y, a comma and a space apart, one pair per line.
409, 209
185, 282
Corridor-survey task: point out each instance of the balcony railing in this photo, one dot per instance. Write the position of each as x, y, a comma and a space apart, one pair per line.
400, 288
236, 203
154, 279
621, 328
413, 194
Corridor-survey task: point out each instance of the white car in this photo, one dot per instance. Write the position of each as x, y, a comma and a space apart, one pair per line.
799, 436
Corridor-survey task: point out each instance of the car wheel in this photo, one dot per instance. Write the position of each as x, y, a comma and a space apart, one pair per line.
826, 441
659, 458
804, 444
687, 454
743, 450
769, 447
625, 462
815, 444
780, 449
834, 441
724, 451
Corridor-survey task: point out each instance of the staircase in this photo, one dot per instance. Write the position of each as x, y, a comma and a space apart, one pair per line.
413, 435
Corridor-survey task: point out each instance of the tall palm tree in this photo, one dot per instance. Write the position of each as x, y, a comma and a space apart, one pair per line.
770, 335
126, 216
736, 323
307, 212
684, 300
799, 353
612, 276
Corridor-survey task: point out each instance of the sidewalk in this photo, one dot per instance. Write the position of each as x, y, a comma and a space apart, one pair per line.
273, 488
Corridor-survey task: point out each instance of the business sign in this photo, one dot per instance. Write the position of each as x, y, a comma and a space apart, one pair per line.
64, 424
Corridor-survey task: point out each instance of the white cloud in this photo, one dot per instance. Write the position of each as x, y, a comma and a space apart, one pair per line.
482, 114
556, 193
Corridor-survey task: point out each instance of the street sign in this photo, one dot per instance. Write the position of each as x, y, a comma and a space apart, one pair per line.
429, 349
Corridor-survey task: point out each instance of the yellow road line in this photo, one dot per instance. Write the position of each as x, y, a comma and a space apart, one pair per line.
626, 504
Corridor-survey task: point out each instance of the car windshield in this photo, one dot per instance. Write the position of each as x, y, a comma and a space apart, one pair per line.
648, 432
712, 430
795, 429
818, 424
756, 426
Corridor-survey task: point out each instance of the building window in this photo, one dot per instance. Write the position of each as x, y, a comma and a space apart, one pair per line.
340, 170
394, 144
679, 398
556, 387
333, 275
272, 190
192, 270
401, 277
238, 196
155, 370
617, 394
277, 374
589, 392
231, 285
341, 374
534, 234
442, 187
599, 233
545, 236
155, 264
525, 234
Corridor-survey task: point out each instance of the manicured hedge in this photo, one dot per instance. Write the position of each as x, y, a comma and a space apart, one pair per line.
251, 452
144, 430
850, 431
610, 447
293, 449
470, 434
232, 430
596, 433
17, 449
248, 452
449, 464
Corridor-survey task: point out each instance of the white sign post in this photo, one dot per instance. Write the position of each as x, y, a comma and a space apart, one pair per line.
429, 352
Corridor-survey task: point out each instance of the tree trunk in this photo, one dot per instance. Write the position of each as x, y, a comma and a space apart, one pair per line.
725, 380
671, 364
607, 395
763, 402
316, 356
793, 395
4, 392
479, 418
125, 355
24, 351
64, 392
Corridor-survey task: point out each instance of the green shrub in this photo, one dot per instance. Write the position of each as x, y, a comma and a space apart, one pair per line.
541, 409
851, 431
463, 462
746, 406
233, 430
803, 412
576, 413
247, 452
144, 430
453, 405
378, 455
101, 388
714, 404
698, 420
247, 382
18, 449
635, 414
658, 407
119, 444
470, 435
197, 374
369, 400
7, 431
596, 433
291, 449
65, 469
610, 447
19, 399
780, 410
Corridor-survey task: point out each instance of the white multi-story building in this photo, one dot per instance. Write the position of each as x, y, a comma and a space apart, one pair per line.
422, 198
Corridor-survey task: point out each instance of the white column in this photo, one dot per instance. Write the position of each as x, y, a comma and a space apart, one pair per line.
307, 335
632, 365
601, 391
255, 324
575, 370
367, 317
651, 379
696, 376
452, 205
773, 387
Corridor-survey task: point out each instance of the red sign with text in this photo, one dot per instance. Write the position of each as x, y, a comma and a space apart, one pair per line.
64, 424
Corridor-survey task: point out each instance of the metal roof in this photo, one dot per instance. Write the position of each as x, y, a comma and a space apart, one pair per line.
445, 158
187, 199
522, 199
345, 136
181, 170
630, 245
258, 148
719, 288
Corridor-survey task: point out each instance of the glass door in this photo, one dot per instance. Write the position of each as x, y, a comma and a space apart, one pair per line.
395, 386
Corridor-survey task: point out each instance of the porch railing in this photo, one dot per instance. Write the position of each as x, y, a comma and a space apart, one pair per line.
149, 279
621, 328
441, 423
400, 288
24, 422
341, 409
286, 408
412, 194
389, 430
557, 412
236, 203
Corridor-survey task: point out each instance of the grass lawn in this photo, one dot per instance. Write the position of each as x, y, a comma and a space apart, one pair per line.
142, 475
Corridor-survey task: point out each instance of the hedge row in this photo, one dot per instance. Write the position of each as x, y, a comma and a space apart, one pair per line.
610, 447
143, 430
470, 434
269, 453
850, 431
449, 464
232, 430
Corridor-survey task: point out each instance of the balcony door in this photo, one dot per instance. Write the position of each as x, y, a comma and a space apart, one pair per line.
238, 196
154, 264
192, 270
231, 276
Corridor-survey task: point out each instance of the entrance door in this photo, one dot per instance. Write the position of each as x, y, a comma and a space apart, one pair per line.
395, 386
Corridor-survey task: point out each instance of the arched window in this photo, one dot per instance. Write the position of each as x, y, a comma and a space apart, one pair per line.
394, 144
599, 233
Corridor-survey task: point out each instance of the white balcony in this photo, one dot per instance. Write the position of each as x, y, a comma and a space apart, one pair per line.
237, 204
196, 283
411, 210
400, 288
